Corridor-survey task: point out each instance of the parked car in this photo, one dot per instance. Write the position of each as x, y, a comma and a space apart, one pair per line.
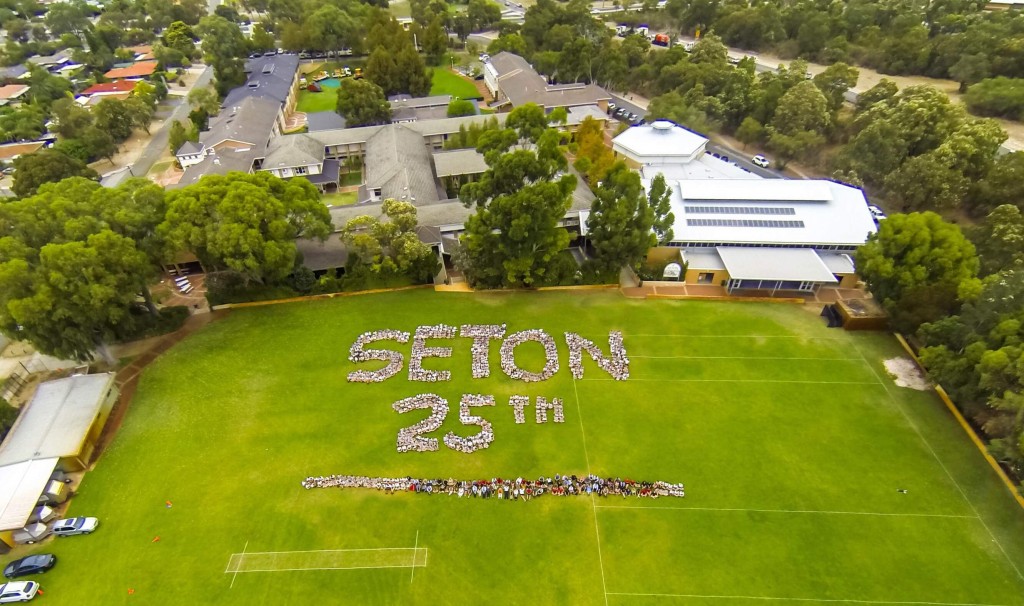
18, 591
611, 108
73, 526
761, 161
876, 213
31, 534
33, 564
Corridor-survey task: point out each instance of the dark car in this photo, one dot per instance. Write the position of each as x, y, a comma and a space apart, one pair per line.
33, 564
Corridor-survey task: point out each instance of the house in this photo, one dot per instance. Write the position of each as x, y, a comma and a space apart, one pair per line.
514, 83
52, 62
238, 136
119, 90
736, 230
136, 71
58, 429
275, 78
12, 93
14, 72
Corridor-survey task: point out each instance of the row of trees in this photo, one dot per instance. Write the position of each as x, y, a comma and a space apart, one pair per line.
76, 258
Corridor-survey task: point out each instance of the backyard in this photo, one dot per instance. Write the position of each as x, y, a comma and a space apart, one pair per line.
810, 476
447, 83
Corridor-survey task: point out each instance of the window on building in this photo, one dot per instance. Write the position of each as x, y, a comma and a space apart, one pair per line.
705, 278
301, 170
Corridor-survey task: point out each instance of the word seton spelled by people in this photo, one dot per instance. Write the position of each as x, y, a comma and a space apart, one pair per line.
615, 364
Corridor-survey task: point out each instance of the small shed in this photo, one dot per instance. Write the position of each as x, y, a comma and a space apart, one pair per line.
314, 87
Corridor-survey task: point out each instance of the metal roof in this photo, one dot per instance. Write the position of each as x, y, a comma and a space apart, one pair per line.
659, 139
837, 263
765, 190
702, 258
459, 162
20, 487
793, 264
57, 420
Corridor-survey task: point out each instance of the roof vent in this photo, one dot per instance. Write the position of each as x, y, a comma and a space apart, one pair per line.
662, 125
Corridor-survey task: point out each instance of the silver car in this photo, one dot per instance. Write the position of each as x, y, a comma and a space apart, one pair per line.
73, 526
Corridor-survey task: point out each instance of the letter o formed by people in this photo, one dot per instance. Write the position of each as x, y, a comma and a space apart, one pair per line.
508, 358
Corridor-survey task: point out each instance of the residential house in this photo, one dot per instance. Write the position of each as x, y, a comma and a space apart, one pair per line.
514, 83
9, 152
119, 90
140, 70
54, 62
11, 94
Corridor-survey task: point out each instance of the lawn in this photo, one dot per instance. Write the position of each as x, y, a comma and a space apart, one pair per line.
340, 199
791, 440
448, 83
324, 101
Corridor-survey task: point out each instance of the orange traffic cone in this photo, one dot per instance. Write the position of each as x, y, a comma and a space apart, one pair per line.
155, 539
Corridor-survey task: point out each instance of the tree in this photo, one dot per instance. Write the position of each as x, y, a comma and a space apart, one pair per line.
999, 96
179, 134
911, 255
461, 107
204, 99
750, 131
139, 113
363, 103
392, 246
595, 159
621, 220
1000, 240
799, 123
180, 37
435, 41
46, 166
514, 237
970, 69
835, 81
659, 198
223, 46
114, 117
1003, 184
482, 14
673, 107
246, 223
261, 40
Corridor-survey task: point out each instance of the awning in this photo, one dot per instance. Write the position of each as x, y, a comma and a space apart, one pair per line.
20, 487
837, 263
788, 264
702, 259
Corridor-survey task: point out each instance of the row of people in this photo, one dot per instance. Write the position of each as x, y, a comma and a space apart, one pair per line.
519, 488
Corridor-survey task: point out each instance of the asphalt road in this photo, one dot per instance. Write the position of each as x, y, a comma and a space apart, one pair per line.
740, 159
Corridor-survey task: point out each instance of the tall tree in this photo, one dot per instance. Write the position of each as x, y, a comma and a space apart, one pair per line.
246, 223
621, 220
914, 265
363, 103
46, 166
435, 41
390, 246
659, 197
800, 122
513, 237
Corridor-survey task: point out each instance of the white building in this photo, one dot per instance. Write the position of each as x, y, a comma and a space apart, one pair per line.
740, 231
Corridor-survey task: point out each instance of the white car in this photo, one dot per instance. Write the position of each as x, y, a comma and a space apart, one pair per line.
18, 591
761, 161
72, 526
876, 213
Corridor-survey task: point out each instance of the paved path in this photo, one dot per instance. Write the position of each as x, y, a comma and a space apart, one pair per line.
158, 143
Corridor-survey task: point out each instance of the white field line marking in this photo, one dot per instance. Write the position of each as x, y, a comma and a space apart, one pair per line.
822, 512
928, 445
744, 336
412, 574
235, 576
236, 563
758, 597
766, 358
744, 381
329, 568
255, 553
593, 502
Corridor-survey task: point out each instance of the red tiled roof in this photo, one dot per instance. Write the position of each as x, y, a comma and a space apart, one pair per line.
142, 68
121, 86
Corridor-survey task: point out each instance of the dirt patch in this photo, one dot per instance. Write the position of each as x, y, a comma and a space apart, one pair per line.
907, 374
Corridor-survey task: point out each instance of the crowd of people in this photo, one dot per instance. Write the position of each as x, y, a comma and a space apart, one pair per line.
476, 441
410, 438
420, 351
358, 354
508, 361
617, 365
481, 335
517, 489
543, 406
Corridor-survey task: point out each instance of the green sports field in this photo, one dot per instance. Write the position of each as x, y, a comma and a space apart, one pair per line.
791, 440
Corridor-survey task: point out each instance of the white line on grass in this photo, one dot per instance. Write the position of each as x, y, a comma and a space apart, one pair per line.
695, 336
327, 568
255, 553
412, 574
758, 597
822, 512
235, 576
632, 357
593, 502
928, 445
743, 381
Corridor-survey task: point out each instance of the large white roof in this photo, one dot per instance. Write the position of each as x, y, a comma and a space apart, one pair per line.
20, 487
659, 139
791, 264
770, 212
705, 166
57, 420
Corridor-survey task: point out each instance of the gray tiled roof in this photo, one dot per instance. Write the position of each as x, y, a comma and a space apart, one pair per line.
269, 78
251, 121
522, 84
324, 121
221, 163
459, 162
417, 102
189, 147
398, 162
294, 150
318, 255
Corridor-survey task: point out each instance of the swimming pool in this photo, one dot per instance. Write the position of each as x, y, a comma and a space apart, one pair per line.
330, 82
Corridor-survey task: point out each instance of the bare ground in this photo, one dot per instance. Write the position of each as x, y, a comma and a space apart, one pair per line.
907, 374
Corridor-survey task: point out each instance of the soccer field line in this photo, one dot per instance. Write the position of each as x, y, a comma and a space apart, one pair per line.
777, 599
740, 336
938, 460
632, 357
593, 502
326, 559
742, 381
796, 511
